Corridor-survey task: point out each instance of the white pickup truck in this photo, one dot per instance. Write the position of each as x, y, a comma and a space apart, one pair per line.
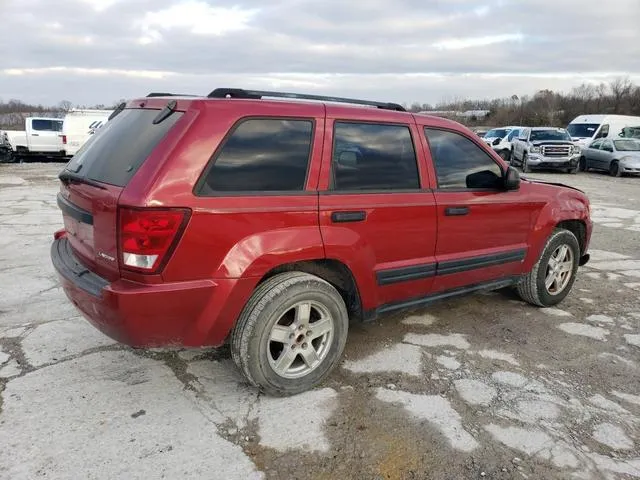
41, 137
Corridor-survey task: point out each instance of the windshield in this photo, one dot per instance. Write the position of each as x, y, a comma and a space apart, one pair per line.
537, 135
627, 145
582, 130
496, 133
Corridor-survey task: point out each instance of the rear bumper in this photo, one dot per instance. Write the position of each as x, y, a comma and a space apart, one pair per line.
196, 313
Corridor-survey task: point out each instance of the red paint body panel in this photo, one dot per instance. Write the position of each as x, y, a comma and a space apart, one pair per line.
231, 242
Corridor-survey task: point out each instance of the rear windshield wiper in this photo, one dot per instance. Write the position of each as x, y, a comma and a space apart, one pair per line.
68, 177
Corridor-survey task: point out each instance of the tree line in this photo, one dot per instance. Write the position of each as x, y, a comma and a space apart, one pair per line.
546, 107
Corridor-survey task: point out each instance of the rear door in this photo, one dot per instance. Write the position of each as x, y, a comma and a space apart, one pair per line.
377, 212
482, 229
94, 179
592, 154
44, 135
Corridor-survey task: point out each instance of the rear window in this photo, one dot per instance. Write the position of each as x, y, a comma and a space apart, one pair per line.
115, 153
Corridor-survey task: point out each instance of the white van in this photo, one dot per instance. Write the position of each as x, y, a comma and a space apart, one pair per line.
586, 128
79, 125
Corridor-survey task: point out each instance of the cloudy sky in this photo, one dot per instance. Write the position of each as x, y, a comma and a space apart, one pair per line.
98, 51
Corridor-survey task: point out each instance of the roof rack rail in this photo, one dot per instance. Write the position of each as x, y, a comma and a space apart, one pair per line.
162, 94
257, 94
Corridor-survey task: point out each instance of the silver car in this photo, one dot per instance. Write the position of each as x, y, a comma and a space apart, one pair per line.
614, 156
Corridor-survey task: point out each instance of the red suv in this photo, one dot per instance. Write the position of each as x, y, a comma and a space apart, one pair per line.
269, 224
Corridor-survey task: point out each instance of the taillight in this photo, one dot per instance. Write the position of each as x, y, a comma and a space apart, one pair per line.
148, 236
64, 139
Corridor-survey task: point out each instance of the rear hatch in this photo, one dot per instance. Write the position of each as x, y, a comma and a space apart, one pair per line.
96, 176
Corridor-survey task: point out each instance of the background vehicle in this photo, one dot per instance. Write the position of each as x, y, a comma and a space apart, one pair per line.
271, 224
614, 156
79, 125
499, 139
41, 137
586, 128
545, 147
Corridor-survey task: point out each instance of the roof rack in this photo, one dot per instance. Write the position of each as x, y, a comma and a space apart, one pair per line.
162, 94
258, 94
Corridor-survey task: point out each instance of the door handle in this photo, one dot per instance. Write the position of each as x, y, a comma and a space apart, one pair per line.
344, 217
35, 134
456, 211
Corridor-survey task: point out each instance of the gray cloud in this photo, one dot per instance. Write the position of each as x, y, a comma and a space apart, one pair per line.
399, 50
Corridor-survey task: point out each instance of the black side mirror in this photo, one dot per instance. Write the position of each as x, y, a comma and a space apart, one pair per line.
497, 141
511, 179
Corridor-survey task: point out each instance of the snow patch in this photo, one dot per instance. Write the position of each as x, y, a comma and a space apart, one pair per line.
475, 392
424, 320
600, 319
606, 404
588, 301
510, 378
401, 358
596, 333
10, 369
556, 312
495, 355
632, 339
627, 397
456, 340
617, 358
449, 363
437, 411
612, 436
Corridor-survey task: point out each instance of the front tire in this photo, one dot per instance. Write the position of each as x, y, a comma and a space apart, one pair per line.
553, 275
525, 164
614, 169
291, 333
505, 155
582, 164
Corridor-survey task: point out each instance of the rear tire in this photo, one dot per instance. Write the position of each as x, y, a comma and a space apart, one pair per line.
291, 333
557, 265
614, 169
582, 164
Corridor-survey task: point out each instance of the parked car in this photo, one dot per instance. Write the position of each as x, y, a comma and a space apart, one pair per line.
499, 139
79, 125
41, 137
545, 147
269, 225
617, 157
587, 128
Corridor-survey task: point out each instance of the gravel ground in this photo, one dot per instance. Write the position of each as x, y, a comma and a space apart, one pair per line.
483, 386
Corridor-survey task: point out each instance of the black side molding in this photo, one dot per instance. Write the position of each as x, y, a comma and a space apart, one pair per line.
414, 272
419, 302
457, 266
73, 211
68, 266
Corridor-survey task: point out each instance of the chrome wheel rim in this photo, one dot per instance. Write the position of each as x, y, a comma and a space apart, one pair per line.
559, 270
300, 339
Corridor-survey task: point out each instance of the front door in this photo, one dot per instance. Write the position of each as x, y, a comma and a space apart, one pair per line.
374, 214
482, 228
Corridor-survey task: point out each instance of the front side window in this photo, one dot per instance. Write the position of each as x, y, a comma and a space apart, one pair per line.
42, 125
607, 146
596, 145
262, 155
513, 134
604, 132
369, 156
460, 163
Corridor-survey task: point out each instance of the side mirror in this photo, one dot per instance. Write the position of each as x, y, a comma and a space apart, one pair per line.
497, 141
511, 179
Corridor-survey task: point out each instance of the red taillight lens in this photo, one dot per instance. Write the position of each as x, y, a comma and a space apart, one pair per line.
148, 235
64, 139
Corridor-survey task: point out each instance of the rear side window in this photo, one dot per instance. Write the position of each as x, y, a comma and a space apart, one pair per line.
262, 155
373, 157
115, 153
460, 163
46, 125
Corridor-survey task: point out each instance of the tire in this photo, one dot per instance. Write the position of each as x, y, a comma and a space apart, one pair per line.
573, 170
505, 155
280, 302
533, 289
582, 164
614, 169
525, 164
8, 157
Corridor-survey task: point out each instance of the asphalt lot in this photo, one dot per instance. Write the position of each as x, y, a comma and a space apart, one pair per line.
483, 386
